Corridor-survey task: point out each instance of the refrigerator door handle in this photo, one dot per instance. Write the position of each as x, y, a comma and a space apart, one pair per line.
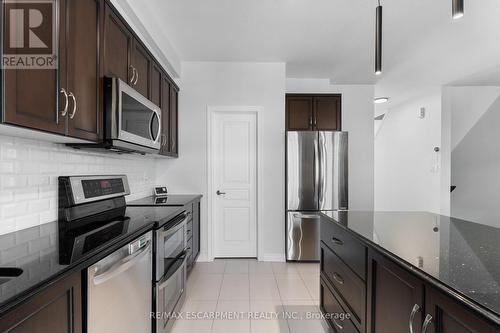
317, 172
321, 170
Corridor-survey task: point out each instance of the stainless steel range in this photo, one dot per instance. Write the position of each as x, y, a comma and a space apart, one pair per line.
145, 277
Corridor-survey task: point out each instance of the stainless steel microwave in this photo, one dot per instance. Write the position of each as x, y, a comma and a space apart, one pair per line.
132, 123
131, 120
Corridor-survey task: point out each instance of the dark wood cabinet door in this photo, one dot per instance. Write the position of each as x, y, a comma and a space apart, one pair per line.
174, 110
447, 316
299, 113
117, 43
141, 63
83, 69
156, 78
392, 296
31, 96
165, 116
56, 310
327, 113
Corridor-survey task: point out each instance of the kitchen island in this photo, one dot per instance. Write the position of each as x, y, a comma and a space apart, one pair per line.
396, 270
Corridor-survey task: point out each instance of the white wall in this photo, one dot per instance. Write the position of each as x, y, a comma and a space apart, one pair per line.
357, 119
404, 157
29, 171
475, 153
231, 84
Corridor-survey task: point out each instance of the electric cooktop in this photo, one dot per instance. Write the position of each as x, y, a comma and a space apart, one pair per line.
167, 200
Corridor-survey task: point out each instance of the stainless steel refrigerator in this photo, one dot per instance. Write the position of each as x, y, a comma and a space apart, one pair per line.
316, 172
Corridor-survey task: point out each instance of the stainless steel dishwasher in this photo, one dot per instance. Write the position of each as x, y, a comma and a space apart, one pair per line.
120, 290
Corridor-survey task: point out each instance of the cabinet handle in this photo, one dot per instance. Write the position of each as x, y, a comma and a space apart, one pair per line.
340, 327
136, 76
414, 311
172, 146
133, 74
315, 121
337, 241
66, 102
427, 322
311, 122
337, 277
73, 112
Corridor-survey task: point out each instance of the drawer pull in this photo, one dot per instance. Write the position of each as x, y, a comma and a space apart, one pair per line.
414, 311
337, 277
340, 327
337, 241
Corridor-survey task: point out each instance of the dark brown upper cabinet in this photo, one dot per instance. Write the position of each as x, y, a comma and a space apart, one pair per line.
82, 71
165, 116
141, 67
156, 80
174, 118
62, 100
116, 47
307, 112
299, 113
327, 112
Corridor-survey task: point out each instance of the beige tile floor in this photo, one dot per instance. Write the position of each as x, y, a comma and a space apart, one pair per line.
262, 297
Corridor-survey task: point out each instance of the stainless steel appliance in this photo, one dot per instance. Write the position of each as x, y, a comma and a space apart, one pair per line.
93, 217
316, 174
170, 276
119, 289
132, 122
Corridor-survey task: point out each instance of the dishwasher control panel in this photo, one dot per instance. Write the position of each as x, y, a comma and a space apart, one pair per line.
137, 245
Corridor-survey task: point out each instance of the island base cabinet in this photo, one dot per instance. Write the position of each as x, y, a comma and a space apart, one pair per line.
336, 316
393, 294
57, 309
444, 315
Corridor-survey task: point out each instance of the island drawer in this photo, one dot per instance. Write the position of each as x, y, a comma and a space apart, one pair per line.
348, 285
336, 315
345, 246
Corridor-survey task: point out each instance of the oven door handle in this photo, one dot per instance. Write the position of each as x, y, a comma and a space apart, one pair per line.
176, 226
163, 284
122, 265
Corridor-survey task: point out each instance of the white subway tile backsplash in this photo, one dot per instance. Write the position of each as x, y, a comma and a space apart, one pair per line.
13, 209
29, 171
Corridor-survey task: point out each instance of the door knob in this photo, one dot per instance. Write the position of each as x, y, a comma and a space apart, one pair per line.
220, 193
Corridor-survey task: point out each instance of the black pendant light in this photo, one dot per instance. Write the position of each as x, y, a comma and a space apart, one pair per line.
378, 39
457, 9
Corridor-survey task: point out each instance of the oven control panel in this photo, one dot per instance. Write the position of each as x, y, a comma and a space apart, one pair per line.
101, 187
75, 190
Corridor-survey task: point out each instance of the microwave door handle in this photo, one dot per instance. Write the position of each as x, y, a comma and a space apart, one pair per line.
153, 115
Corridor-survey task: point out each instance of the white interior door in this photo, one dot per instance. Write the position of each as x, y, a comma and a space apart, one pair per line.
234, 183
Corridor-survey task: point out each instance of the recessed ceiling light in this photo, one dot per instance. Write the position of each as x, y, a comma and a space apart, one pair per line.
380, 100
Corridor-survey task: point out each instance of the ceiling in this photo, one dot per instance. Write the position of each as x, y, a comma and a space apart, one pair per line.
335, 39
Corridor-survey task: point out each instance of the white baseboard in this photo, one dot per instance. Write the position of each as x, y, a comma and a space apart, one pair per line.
202, 257
277, 257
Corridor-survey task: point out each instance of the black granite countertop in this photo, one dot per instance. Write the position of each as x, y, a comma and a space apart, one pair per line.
167, 200
460, 257
37, 252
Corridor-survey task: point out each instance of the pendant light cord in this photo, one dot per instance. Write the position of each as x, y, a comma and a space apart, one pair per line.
379, 2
